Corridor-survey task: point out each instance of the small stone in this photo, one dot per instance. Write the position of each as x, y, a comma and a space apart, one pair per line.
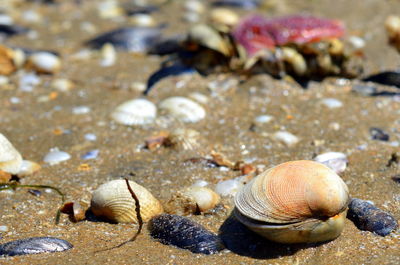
81, 110
90, 137
263, 119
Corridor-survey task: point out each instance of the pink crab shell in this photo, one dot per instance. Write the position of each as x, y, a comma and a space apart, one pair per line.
256, 32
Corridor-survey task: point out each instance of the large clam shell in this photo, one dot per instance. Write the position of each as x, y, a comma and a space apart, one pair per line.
113, 201
10, 158
294, 196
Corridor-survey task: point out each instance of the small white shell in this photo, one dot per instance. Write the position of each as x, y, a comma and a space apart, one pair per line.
332, 103
229, 187
192, 200
334, 160
113, 201
108, 55
286, 138
56, 156
224, 16
10, 158
28, 168
183, 109
44, 62
143, 20
135, 112
62, 84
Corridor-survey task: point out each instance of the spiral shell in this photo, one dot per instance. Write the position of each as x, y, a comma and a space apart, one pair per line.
297, 201
113, 201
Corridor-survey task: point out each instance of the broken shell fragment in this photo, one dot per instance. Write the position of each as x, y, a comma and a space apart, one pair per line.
135, 112
192, 200
44, 62
56, 156
183, 109
113, 201
34, 245
368, 217
334, 160
294, 202
10, 158
184, 233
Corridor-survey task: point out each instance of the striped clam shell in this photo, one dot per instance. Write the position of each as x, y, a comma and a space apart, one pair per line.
113, 201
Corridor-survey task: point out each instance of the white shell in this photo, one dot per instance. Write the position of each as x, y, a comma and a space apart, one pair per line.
334, 160
183, 109
191, 200
229, 187
56, 156
286, 138
113, 201
10, 158
135, 112
332, 103
45, 62
224, 16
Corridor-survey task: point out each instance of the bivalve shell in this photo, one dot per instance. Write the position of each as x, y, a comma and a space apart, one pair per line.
113, 201
192, 200
135, 112
10, 158
294, 202
44, 62
183, 109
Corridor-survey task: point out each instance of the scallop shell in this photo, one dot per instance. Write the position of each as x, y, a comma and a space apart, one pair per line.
135, 112
10, 158
294, 196
113, 201
183, 109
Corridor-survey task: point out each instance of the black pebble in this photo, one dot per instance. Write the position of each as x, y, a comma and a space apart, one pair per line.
184, 233
379, 134
370, 218
34, 245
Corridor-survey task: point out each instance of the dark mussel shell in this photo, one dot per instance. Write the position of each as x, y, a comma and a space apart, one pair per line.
244, 4
370, 218
11, 30
388, 78
34, 245
132, 39
184, 233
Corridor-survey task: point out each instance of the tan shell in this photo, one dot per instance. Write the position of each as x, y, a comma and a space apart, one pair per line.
297, 192
10, 158
192, 200
113, 201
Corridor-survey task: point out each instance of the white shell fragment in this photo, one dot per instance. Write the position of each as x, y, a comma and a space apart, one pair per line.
108, 55
113, 201
28, 168
334, 160
56, 156
286, 138
45, 62
183, 109
10, 158
135, 112
263, 119
228, 187
332, 103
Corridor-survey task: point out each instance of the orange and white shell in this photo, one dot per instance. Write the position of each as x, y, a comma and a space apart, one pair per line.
10, 158
294, 202
113, 201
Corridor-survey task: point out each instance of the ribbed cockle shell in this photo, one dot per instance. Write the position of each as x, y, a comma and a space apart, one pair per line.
113, 201
296, 193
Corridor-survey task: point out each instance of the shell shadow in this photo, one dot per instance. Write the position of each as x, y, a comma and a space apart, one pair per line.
242, 241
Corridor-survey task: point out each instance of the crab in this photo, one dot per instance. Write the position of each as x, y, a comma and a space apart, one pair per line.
301, 46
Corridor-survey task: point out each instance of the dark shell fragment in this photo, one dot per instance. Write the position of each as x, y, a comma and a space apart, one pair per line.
244, 4
34, 245
379, 134
11, 30
184, 233
132, 39
387, 78
370, 218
